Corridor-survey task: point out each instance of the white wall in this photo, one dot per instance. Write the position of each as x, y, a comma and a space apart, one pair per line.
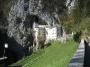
51, 33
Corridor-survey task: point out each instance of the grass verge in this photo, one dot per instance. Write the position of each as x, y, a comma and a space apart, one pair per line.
56, 55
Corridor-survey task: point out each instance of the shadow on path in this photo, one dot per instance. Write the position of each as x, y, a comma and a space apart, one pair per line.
87, 55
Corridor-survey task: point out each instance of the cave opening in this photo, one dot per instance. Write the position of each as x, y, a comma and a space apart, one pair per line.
30, 19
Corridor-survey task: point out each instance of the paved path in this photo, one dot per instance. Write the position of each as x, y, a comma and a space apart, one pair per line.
78, 59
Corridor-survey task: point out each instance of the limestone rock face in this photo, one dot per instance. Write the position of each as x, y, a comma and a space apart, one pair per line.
18, 18
21, 17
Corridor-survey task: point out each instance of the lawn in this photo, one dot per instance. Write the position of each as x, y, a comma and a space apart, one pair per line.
56, 55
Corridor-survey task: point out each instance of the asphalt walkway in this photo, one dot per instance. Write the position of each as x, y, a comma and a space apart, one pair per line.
78, 59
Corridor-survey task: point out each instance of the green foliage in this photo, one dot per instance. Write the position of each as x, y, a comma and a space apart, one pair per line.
79, 18
56, 55
85, 24
77, 36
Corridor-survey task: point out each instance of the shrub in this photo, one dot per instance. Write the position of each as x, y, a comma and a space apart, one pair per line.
77, 36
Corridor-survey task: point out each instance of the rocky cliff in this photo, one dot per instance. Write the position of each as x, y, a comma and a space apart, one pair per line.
21, 17
18, 16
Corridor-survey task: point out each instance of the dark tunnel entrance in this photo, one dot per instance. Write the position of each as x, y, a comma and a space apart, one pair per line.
14, 52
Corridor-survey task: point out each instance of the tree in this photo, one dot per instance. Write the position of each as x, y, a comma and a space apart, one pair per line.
79, 14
